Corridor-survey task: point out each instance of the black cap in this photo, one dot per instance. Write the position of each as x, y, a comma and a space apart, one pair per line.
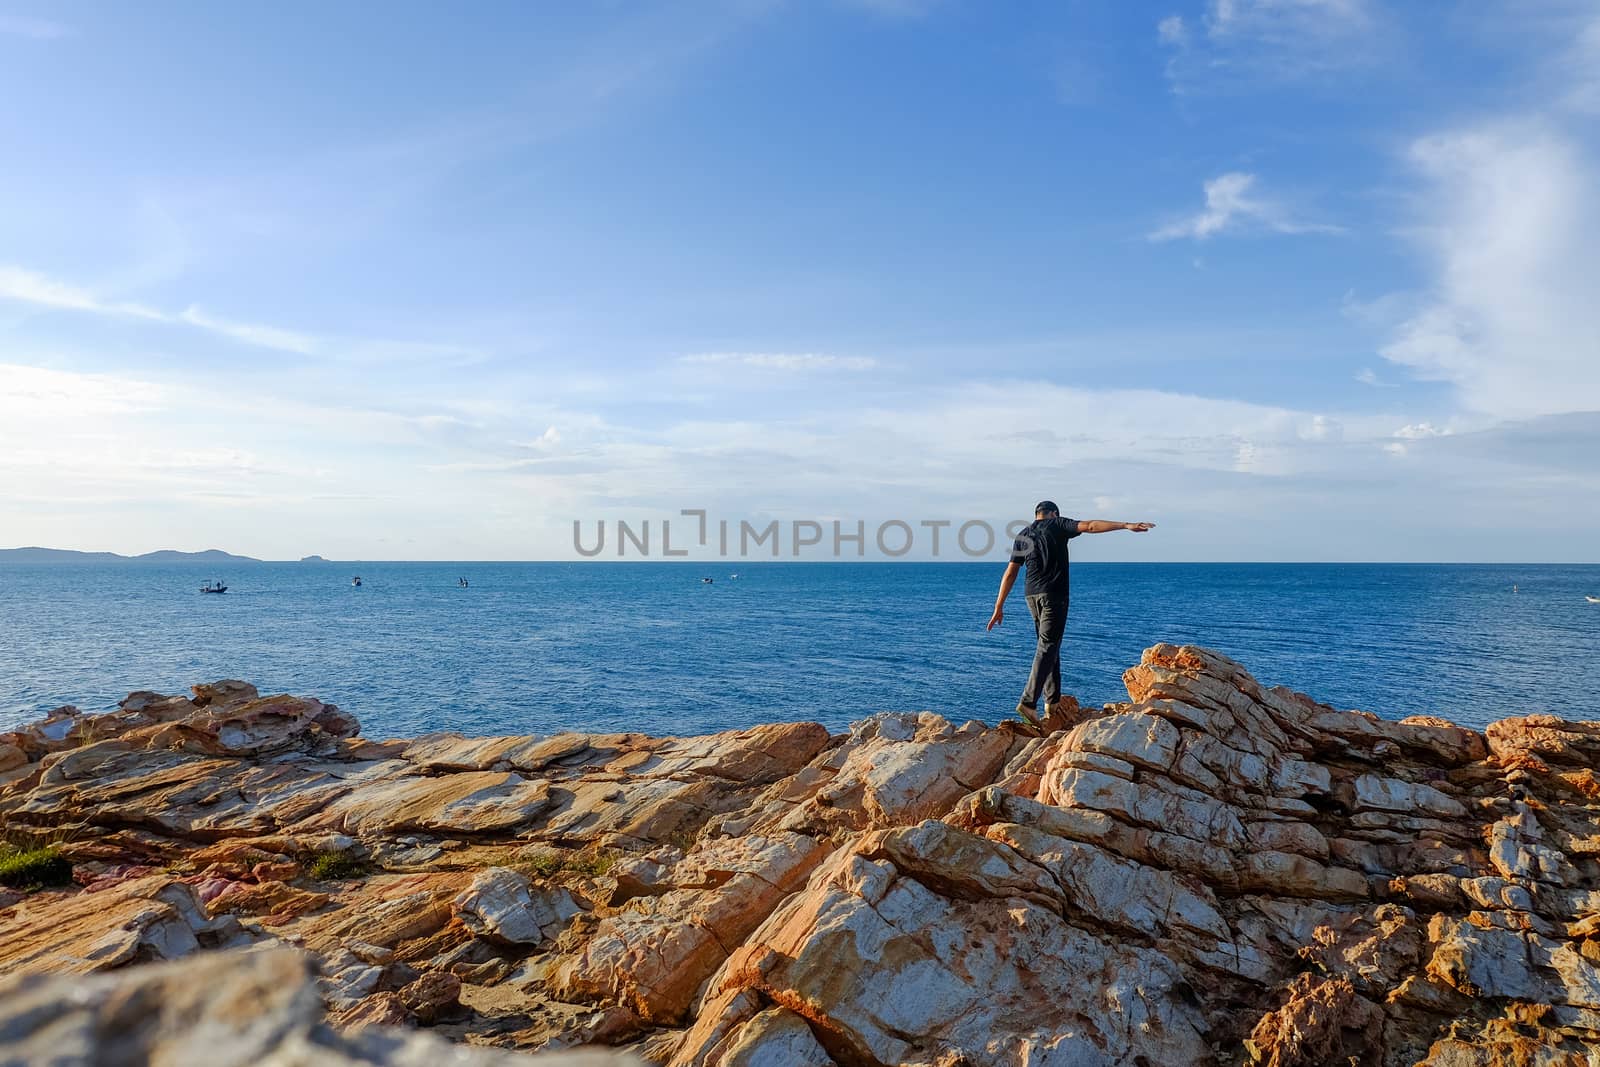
1046, 506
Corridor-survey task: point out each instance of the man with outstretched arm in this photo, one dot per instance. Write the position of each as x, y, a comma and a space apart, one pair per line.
1042, 548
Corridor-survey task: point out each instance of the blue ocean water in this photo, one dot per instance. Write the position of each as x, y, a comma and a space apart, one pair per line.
540, 647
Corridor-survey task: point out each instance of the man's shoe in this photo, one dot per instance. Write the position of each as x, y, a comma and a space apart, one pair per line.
1063, 714
1030, 717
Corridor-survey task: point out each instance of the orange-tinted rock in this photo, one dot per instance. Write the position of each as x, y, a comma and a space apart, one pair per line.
151, 918
11, 757
380, 1009
433, 997
273, 901
653, 954
1210, 867
1323, 1022
228, 1009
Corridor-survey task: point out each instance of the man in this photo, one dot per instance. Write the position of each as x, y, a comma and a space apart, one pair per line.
1042, 548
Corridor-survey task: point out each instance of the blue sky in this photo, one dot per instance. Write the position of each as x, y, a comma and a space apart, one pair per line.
1295, 279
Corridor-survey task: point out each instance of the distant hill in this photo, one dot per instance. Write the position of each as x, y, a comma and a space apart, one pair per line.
166, 555
313, 559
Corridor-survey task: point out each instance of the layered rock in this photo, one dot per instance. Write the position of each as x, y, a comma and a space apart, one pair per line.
1213, 872
224, 1009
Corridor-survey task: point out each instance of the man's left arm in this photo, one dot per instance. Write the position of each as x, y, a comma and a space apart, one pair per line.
1106, 526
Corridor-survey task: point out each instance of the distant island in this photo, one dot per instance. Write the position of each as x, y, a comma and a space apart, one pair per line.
34, 554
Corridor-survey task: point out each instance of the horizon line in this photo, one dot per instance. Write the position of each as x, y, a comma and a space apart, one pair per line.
750, 560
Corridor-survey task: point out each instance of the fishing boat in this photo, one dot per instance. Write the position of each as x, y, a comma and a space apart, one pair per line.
1593, 599
356, 580
213, 587
708, 581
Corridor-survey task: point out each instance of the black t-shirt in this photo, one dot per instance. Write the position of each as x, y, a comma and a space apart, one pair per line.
1042, 549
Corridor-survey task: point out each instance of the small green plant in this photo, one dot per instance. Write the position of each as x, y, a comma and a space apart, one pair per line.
546, 864
337, 866
585, 864
33, 868
684, 838
591, 864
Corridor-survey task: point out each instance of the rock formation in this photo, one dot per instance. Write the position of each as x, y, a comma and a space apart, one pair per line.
222, 1009
1211, 873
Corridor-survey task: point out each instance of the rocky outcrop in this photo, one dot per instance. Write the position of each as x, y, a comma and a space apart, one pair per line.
1212, 872
225, 1009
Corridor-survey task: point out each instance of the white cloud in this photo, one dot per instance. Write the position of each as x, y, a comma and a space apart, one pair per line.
36, 28
783, 361
1288, 19
1247, 42
1417, 431
44, 395
1323, 428
73, 445
251, 333
1231, 205
1413, 432
1579, 67
30, 287
551, 438
1509, 225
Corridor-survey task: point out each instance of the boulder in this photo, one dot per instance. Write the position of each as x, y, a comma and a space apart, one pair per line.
501, 906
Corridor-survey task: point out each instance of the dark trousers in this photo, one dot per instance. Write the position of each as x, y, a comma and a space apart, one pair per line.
1050, 624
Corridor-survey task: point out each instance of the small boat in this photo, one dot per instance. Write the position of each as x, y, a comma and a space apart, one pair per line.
356, 580
733, 577
1593, 599
462, 582
213, 587
708, 581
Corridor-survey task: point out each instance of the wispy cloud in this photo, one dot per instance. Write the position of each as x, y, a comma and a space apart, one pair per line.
1243, 42
1288, 21
1232, 205
783, 361
1581, 65
1509, 223
36, 28
252, 333
30, 287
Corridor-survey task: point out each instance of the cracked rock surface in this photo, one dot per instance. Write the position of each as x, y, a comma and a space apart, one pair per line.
1212, 872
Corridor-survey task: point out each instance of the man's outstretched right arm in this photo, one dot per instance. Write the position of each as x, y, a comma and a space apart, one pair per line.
1007, 580
1105, 526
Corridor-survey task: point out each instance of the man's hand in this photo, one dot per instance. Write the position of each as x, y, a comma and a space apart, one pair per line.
1138, 527
1007, 580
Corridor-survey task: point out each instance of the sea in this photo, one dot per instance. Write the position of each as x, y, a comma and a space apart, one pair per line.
536, 648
